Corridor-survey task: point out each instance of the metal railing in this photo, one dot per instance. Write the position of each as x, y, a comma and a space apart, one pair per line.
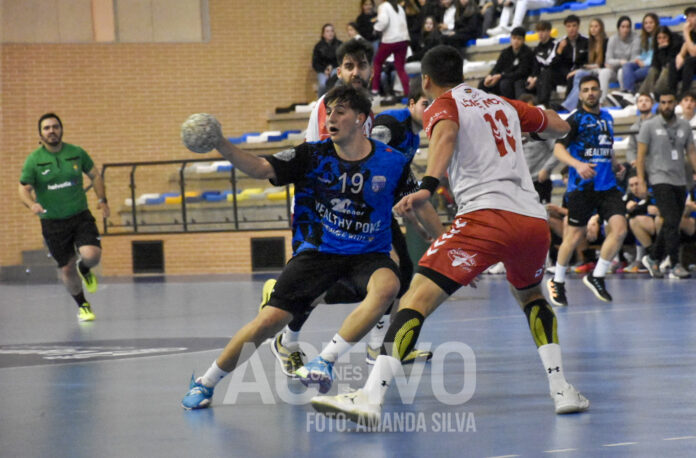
187, 225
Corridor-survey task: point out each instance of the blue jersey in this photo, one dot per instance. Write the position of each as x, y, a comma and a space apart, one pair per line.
591, 139
342, 207
393, 127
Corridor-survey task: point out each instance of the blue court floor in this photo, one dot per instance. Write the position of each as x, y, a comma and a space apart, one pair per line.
112, 388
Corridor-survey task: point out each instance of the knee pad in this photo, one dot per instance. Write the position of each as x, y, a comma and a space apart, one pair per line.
403, 333
542, 322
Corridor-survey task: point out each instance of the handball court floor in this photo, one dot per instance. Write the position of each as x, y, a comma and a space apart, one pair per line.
112, 388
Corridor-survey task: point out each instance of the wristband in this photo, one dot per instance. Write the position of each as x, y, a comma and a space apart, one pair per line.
103, 201
429, 183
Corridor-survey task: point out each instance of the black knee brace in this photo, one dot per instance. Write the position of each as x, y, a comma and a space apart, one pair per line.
402, 333
542, 322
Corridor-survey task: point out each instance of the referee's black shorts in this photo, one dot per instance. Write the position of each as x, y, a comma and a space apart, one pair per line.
64, 236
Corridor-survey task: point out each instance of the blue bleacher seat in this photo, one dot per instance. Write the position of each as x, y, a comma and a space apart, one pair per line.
154, 200
213, 196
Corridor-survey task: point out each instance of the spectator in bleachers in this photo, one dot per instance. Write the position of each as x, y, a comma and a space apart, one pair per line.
446, 13
664, 143
624, 47
425, 8
597, 47
644, 105
429, 38
636, 70
570, 56
467, 24
514, 65
391, 21
365, 21
520, 8
687, 104
490, 10
544, 52
324, 57
352, 31
686, 59
540, 159
641, 213
688, 222
662, 76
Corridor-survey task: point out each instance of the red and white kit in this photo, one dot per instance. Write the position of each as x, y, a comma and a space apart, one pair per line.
499, 217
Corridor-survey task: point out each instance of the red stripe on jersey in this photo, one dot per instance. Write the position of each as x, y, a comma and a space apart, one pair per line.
444, 107
532, 119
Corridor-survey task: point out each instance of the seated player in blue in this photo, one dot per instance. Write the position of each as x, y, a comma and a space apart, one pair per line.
345, 188
588, 151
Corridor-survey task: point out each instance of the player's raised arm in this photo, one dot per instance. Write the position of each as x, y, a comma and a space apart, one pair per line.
201, 133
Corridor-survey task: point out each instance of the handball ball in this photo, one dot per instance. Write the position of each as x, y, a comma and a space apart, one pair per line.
201, 133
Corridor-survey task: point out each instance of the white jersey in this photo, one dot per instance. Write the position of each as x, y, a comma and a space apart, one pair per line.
488, 169
316, 127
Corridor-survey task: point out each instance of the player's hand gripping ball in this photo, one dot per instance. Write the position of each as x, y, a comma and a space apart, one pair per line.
201, 133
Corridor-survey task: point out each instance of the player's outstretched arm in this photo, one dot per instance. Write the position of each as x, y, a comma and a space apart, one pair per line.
556, 127
252, 165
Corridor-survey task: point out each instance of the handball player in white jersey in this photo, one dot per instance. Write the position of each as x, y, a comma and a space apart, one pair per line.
476, 138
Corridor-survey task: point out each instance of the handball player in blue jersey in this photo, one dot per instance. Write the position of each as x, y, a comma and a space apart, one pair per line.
345, 188
588, 151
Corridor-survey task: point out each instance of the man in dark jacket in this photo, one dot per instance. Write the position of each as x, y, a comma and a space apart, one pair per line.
544, 53
514, 65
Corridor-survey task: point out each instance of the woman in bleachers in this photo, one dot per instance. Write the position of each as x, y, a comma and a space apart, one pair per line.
429, 38
391, 21
365, 22
636, 70
624, 47
662, 75
324, 57
597, 49
467, 24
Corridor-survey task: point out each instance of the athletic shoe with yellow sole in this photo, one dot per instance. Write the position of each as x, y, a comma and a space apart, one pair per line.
266, 292
290, 361
85, 313
89, 279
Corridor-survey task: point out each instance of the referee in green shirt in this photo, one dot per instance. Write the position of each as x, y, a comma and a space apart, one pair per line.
51, 187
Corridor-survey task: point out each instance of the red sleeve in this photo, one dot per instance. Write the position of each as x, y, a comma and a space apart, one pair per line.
444, 107
532, 119
321, 120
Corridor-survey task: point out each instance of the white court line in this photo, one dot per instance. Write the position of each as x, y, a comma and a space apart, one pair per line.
561, 450
619, 444
678, 438
503, 456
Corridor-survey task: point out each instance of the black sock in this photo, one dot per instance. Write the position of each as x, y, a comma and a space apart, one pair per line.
403, 333
80, 298
84, 270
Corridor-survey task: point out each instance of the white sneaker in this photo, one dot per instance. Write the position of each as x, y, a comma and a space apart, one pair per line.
500, 30
569, 400
496, 269
354, 405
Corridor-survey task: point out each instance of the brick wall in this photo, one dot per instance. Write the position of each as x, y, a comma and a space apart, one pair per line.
125, 102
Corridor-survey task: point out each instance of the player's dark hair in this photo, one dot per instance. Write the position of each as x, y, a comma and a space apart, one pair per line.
47, 116
357, 99
355, 48
690, 10
691, 94
444, 65
415, 90
587, 78
621, 19
543, 25
571, 18
518, 32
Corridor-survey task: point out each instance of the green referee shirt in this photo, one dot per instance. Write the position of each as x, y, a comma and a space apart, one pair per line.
57, 180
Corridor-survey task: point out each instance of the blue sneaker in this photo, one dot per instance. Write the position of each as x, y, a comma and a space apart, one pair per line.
318, 371
198, 396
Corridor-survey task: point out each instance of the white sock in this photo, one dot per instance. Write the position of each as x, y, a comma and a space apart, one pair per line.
381, 376
560, 275
212, 376
550, 355
290, 338
601, 268
640, 252
378, 332
335, 349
